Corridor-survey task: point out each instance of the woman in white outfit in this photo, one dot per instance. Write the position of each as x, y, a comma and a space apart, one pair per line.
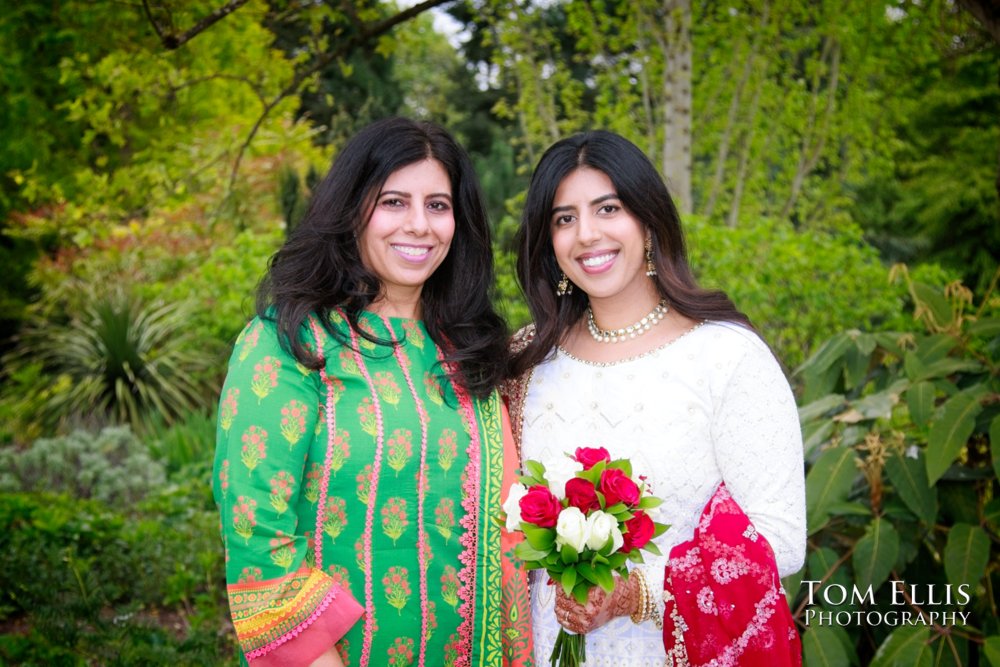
626, 352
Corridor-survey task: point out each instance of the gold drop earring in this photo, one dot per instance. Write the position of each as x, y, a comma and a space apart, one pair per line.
565, 286
650, 266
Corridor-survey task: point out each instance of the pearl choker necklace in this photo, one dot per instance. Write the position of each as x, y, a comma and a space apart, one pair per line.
621, 335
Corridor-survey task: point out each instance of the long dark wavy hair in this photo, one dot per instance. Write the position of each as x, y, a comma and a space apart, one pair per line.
644, 194
319, 267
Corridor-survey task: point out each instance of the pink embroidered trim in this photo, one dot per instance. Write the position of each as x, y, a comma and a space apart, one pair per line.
298, 630
469, 539
331, 432
366, 646
422, 544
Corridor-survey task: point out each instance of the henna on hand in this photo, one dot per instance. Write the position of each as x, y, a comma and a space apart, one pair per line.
600, 608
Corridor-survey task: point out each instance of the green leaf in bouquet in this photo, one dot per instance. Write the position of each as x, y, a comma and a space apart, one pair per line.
616, 508
636, 556
568, 580
604, 578
598, 559
526, 552
593, 475
617, 561
600, 498
622, 517
529, 481
652, 548
569, 555
586, 571
649, 502
580, 592
540, 538
660, 528
534, 469
622, 464
607, 547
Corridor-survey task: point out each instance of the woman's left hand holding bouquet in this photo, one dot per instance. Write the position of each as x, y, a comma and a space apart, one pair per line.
600, 608
583, 519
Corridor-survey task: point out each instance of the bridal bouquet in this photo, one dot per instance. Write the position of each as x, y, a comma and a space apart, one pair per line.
582, 520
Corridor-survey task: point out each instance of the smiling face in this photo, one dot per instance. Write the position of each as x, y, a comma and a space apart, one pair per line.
410, 229
597, 242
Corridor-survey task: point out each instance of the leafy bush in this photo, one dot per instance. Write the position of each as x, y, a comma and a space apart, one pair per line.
220, 288
110, 588
125, 360
112, 466
27, 392
902, 438
187, 444
798, 288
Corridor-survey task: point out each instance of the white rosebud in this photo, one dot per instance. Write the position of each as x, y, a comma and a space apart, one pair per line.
913, 452
558, 472
572, 529
512, 506
602, 526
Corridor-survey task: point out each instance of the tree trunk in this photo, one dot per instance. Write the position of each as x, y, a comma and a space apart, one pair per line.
812, 151
677, 102
745, 148
722, 155
987, 12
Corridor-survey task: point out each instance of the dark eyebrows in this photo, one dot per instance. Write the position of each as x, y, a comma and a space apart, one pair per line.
407, 195
593, 202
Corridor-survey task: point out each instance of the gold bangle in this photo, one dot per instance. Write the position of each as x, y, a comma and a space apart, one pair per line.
642, 609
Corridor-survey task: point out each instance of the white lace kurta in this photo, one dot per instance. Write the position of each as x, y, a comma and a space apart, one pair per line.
711, 406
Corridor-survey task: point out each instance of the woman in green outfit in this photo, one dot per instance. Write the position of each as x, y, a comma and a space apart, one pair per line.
362, 448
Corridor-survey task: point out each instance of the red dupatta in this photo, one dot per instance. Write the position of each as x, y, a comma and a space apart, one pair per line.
724, 602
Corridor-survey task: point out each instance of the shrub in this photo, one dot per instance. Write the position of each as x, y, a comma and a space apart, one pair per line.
902, 439
112, 466
798, 287
125, 360
221, 289
106, 588
187, 444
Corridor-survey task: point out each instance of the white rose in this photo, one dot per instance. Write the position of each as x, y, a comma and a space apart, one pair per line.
601, 526
558, 472
512, 506
572, 529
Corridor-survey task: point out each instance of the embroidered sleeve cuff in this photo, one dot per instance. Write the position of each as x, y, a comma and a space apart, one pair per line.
302, 630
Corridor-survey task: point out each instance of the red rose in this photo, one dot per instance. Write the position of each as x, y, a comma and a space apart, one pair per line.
638, 531
591, 456
618, 488
581, 493
540, 507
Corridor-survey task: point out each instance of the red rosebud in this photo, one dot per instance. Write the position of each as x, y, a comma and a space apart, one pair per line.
540, 507
591, 456
617, 487
638, 531
582, 494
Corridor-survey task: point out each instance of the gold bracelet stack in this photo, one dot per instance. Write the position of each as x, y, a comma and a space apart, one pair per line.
638, 615
647, 608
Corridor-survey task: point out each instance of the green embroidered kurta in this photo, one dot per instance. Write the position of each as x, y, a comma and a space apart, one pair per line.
335, 457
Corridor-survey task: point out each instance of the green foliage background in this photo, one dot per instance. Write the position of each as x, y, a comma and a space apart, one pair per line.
829, 141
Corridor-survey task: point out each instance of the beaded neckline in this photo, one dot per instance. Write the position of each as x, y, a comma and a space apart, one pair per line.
618, 362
